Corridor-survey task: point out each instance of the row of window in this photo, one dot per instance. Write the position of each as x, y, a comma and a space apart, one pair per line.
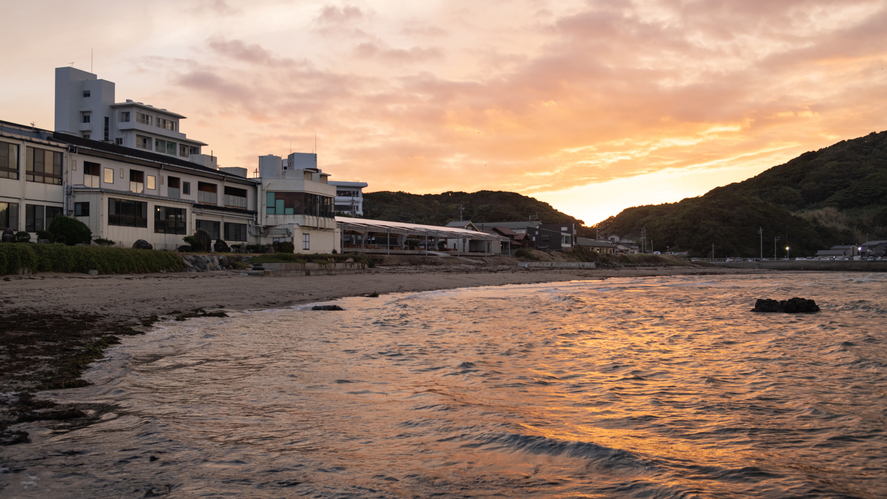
37, 216
233, 232
147, 119
167, 147
299, 203
41, 165
167, 220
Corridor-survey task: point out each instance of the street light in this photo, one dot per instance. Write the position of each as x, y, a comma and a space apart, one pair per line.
786, 252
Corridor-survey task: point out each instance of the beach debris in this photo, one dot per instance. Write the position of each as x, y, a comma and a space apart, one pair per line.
326, 307
791, 306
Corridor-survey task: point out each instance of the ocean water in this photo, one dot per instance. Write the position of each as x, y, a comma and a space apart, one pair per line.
646, 387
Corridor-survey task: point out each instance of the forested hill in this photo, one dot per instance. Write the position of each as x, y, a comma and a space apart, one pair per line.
479, 207
836, 195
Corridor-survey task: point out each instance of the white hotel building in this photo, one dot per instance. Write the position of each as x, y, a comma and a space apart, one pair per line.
128, 172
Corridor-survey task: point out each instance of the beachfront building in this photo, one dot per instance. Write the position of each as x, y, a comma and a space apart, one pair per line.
297, 204
349, 197
32, 164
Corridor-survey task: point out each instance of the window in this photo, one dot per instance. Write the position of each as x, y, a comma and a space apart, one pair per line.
136, 181
186, 188
124, 117
171, 148
86, 93
127, 213
51, 213
353, 194
107, 128
194, 150
43, 166
109, 175
206, 193
143, 142
91, 174
85, 135
152, 182
9, 216
235, 198
306, 241
118, 141
34, 217
183, 150
86, 117
211, 227
299, 203
169, 220
143, 118
81, 209
235, 232
8, 160
173, 189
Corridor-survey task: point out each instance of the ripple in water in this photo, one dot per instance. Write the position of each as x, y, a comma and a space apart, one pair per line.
657, 387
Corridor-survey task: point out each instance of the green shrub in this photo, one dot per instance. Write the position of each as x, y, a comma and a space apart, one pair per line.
74, 231
42, 234
22, 237
17, 256
525, 253
61, 258
195, 242
286, 247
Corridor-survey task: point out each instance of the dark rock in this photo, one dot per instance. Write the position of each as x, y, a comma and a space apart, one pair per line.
8, 236
185, 248
791, 306
142, 244
205, 239
9, 437
221, 246
326, 307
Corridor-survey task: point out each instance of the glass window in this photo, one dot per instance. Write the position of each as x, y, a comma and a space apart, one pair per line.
235, 232
34, 217
206, 193
306, 241
299, 203
173, 187
8, 161
86, 117
109, 175
183, 150
86, 93
91, 174
235, 198
169, 220
81, 209
209, 226
136, 181
9, 216
127, 213
124, 116
152, 182
43, 166
186, 187
143, 142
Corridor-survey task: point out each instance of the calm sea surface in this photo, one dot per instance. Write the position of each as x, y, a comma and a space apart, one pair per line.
652, 387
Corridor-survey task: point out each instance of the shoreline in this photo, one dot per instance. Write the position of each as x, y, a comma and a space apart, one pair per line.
52, 326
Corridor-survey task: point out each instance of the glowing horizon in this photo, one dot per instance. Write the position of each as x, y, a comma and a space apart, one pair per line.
591, 106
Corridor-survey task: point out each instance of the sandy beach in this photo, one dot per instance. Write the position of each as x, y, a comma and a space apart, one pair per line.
53, 325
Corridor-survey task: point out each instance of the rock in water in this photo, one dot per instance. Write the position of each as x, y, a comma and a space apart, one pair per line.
326, 307
791, 306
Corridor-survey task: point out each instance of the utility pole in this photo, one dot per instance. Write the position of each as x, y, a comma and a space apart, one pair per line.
774, 246
761, 232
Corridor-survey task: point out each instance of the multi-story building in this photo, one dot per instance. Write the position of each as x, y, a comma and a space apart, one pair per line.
349, 197
129, 173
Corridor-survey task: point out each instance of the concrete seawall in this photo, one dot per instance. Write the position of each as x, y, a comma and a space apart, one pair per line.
810, 265
300, 269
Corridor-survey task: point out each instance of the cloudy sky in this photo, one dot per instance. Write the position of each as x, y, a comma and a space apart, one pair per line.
592, 106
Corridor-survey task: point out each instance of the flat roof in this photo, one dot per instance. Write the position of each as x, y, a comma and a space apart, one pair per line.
366, 225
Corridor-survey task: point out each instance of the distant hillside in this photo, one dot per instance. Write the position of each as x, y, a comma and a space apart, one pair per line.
836, 195
479, 207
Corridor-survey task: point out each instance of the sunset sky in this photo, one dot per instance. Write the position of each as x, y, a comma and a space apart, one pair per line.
592, 106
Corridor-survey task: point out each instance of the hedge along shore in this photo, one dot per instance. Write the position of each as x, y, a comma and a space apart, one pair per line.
52, 325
